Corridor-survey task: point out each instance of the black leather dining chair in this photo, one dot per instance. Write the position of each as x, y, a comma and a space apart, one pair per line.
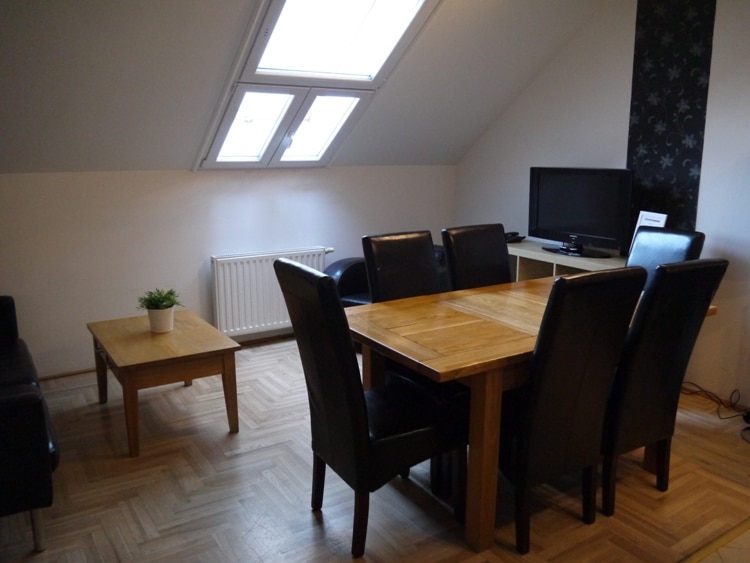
477, 255
552, 426
400, 265
366, 437
643, 404
654, 245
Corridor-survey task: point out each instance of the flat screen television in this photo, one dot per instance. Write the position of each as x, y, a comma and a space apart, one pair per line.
585, 209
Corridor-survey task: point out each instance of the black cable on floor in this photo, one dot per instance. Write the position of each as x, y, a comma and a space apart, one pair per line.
689, 388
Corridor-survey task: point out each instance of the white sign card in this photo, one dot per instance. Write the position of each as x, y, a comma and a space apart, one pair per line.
649, 219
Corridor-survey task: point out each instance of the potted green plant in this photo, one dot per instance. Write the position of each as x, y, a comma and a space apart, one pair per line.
160, 304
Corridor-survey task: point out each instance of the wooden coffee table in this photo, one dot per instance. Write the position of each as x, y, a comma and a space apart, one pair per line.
140, 359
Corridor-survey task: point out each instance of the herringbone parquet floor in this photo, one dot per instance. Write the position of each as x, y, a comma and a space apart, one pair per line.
198, 493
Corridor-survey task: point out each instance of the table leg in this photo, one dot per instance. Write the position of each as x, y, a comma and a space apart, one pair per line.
373, 368
484, 446
101, 372
229, 381
130, 402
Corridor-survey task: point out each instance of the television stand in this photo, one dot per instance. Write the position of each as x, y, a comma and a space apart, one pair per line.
577, 251
529, 260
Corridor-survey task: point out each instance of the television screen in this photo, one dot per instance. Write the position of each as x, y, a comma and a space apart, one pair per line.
585, 209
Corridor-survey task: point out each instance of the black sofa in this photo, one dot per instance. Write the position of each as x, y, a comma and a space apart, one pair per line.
28, 446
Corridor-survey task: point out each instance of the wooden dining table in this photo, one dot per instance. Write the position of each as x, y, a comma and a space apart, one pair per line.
483, 337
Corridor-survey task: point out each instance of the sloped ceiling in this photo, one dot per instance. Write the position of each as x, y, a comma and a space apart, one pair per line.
94, 85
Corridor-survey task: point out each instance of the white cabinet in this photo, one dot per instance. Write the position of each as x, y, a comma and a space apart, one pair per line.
528, 260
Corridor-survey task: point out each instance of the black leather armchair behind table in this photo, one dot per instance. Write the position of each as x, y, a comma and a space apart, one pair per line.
28, 445
350, 276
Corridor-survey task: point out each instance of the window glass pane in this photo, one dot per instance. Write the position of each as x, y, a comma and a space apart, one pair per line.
254, 124
326, 116
336, 38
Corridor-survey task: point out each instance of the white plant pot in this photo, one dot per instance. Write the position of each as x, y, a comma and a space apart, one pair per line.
161, 320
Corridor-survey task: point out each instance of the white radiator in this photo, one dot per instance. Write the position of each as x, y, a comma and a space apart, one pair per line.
247, 296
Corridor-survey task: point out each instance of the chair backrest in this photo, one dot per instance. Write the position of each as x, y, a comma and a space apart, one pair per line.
654, 245
400, 265
578, 346
646, 389
477, 255
8, 322
338, 413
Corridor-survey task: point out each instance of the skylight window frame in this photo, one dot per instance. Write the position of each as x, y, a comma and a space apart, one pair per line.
244, 78
251, 75
299, 94
303, 98
364, 100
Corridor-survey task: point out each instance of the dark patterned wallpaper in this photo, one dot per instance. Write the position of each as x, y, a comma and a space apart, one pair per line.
671, 68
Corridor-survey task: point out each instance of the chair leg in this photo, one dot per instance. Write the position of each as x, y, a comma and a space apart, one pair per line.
523, 519
458, 486
37, 529
663, 451
440, 475
359, 531
588, 487
318, 482
609, 482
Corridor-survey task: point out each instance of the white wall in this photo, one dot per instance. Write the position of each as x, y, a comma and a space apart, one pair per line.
576, 114
721, 361
80, 247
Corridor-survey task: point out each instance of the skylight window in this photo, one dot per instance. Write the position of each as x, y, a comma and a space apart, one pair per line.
309, 74
323, 121
256, 120
342, 38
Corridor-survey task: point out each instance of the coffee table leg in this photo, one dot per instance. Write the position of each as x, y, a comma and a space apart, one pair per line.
101, 372
130, 401
229, 381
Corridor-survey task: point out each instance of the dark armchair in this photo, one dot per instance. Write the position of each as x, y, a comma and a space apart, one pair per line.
553, 425
645, 395
350, 277
366, 437
28, 446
